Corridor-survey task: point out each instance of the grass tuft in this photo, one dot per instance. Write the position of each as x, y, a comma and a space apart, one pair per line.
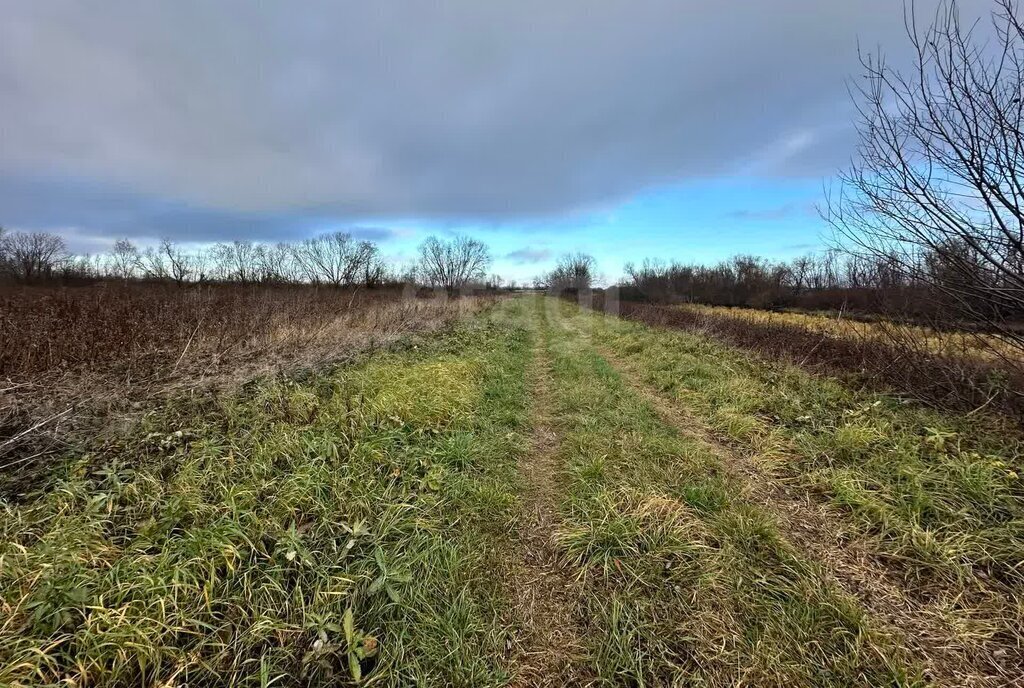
337, 528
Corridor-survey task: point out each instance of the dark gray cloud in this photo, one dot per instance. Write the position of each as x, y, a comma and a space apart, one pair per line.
210, 119
528, 255
107, 212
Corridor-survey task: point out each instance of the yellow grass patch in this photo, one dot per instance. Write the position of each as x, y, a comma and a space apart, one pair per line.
986, 346
432, 394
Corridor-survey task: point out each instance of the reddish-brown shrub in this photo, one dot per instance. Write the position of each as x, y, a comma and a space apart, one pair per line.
46, 328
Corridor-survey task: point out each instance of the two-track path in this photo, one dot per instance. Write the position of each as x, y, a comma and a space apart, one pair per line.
549, 649
552, 646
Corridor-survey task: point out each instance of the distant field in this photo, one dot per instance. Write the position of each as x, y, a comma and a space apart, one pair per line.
534, 494
949, 343
957, 371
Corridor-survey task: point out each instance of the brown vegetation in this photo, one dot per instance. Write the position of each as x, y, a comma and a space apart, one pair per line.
74, 359
143, 325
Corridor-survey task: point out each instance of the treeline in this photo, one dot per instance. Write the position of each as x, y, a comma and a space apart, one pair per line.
833, 280
333, 259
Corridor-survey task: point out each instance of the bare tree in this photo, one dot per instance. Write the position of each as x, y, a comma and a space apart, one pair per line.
375, 272
277, 264
938, 187
180, 266
238, 261
154, 265
336, 258
453, 264
574, 272
409, 272
35, 254
125, 259
494, 281
78, 267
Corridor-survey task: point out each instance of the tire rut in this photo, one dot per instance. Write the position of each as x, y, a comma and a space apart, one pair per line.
548, 650
851, 564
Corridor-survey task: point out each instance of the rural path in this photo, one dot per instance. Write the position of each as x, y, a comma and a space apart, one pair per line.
550, 652
951, 657
541, 513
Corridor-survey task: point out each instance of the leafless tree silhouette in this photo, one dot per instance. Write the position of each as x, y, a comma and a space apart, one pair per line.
453, 264
336, 259
938, 186
33, 255
125, 259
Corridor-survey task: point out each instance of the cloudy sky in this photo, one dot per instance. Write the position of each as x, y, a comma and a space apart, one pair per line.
668, 128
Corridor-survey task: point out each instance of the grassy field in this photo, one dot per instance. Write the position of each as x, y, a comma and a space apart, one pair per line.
537, 495
947, 343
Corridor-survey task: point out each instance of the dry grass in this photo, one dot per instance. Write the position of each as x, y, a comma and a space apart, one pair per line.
932, 499
684, 582
313, 531
952, 343
901, 361
145, 327
954, 648
81, 361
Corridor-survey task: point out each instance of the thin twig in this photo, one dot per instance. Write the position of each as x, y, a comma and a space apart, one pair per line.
185, 350
989, 401
24, 459
35, 427
16, 386
354, 292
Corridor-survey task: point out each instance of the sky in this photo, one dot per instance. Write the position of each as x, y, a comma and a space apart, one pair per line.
632, 129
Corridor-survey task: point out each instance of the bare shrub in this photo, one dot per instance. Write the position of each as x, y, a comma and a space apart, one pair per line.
453, 264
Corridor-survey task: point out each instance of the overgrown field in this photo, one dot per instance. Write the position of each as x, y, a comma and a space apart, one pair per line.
953, 343
74, 360
147, 328
306, 531
705, 519
954, 370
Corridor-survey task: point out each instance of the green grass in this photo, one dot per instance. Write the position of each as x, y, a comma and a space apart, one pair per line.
941, 493
683, 582
308, 531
